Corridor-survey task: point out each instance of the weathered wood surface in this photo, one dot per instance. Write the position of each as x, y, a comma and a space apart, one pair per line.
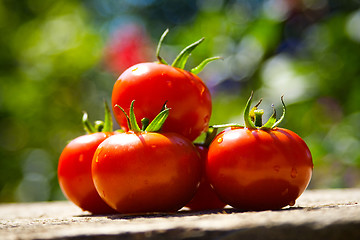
318, 214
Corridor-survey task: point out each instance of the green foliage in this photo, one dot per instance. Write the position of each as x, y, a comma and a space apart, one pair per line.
52, 69
43, 59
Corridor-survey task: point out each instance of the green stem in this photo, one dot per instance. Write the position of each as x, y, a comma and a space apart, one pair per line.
226, 125
99, 126
258, 117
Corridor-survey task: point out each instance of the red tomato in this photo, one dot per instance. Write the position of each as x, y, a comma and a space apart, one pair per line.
74, 173
152, 84
205, 197
146, 171
257, 169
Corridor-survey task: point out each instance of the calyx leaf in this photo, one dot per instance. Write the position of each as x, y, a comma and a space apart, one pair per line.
154, 126
200, 67
182, 57
253, 118
99, 126
247, 117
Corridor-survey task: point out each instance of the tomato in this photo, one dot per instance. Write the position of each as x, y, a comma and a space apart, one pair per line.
153, 83
74, 173
205, 197
146, 172
74, 167
259, 168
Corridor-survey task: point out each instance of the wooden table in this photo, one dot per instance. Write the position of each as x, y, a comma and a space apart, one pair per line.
318, 214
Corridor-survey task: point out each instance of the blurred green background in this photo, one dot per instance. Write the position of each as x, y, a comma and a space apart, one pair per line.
59, 58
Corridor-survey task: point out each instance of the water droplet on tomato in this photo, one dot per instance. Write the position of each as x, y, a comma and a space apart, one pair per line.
285, 192
292, 203
97, 159
293, 173
276, 168
134, 69
220, 140
81, 158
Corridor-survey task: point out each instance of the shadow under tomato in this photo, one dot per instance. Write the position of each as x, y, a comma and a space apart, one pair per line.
265, 194
181, 213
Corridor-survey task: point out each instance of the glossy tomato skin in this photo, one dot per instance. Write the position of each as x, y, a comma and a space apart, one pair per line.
153, 84
146, 172
257, 169
205, 197
74, 173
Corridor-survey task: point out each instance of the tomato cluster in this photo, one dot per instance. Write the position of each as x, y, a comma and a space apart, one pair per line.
155, 166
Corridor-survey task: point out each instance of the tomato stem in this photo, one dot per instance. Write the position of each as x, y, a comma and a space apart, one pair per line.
99, 126
258, 117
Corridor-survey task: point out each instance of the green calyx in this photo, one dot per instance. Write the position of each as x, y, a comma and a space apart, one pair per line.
154, 126
253, 116
183, 56
98, 126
